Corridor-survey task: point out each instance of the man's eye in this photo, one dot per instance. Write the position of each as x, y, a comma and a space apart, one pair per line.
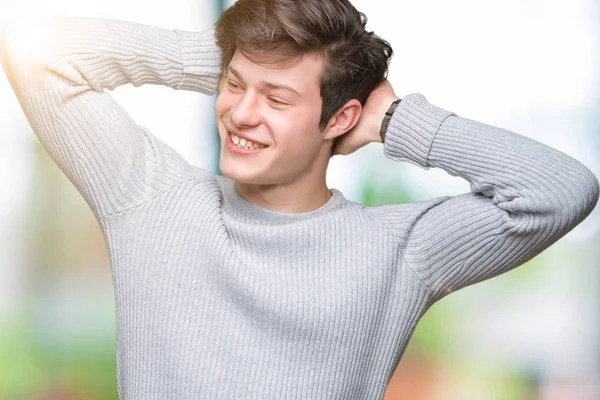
281, 103
233, 85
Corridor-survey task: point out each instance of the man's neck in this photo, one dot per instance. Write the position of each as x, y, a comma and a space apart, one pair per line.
291, 199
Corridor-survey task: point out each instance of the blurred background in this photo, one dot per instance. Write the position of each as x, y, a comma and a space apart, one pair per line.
532, 67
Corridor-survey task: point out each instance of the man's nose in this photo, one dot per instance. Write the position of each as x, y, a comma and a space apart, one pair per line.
245, 112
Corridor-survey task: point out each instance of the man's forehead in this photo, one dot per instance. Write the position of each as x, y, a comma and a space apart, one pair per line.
278, 60
294, 73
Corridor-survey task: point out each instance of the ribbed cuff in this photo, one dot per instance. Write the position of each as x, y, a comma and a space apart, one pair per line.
201, 59
412, 128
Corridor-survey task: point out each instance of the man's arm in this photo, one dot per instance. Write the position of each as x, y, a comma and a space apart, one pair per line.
524, 197
59, 67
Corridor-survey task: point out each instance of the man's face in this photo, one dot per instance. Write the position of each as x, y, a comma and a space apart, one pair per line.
254, 102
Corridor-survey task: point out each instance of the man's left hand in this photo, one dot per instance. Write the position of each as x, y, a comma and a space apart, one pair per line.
367, 128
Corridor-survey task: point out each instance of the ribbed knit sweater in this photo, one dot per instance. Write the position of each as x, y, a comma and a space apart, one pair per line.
217, 298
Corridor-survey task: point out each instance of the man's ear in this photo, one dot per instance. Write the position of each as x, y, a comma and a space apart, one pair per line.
344, 119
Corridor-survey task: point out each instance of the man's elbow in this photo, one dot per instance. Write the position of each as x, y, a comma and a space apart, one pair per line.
591, 190
583, 197
26, 39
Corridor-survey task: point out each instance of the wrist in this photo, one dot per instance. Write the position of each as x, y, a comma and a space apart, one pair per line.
392, 105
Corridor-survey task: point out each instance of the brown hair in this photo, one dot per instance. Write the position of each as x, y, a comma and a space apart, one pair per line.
356, 61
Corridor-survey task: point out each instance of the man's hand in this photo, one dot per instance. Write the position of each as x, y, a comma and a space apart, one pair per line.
367, 128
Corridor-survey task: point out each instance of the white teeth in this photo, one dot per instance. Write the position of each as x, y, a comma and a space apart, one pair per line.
247, 144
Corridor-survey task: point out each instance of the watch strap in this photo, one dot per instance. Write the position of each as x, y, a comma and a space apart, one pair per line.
386, 119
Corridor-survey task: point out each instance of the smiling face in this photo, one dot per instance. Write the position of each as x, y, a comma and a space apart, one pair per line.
279, 106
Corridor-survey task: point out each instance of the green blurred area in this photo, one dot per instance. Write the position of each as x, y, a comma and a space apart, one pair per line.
31, 369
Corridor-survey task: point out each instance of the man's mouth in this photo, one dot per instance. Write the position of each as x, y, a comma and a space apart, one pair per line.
241, 146
245, 143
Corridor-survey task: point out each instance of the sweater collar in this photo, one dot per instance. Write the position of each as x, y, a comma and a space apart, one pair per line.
234, 203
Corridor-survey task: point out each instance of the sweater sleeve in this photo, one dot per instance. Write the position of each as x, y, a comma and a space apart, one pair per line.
524, 197
58, 68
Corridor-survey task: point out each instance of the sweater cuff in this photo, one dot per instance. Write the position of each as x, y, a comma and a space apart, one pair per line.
411, 130
201, 58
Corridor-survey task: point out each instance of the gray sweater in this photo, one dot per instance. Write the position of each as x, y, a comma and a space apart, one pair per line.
217, 298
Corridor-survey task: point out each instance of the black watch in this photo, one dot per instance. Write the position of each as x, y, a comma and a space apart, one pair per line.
386, 119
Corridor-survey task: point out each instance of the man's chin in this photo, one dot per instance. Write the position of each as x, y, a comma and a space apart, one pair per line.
239, 173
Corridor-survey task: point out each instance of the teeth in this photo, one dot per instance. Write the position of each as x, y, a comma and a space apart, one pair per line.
247, 144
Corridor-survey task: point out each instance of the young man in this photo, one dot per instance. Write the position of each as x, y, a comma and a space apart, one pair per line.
263, 283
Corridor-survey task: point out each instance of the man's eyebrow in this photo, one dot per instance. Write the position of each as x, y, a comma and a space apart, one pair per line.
270, 85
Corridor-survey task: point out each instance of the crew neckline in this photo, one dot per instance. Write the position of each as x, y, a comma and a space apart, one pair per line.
232, 200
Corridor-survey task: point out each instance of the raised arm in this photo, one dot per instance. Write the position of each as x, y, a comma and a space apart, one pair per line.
59, 67
524, 197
